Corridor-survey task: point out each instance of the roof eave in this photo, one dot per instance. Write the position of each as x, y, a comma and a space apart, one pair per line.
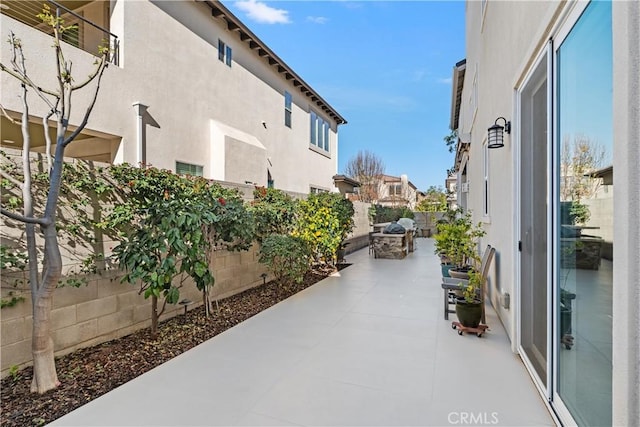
262, 50
456, 92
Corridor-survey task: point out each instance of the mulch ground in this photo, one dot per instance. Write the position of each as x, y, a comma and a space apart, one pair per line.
91, 372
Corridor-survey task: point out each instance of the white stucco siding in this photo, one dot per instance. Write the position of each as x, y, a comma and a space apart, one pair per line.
525, 25
242, 96
169, 63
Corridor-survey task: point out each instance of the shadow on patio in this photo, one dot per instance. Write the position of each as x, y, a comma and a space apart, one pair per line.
368, 346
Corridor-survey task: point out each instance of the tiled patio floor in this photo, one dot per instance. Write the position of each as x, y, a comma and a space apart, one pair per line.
368, 347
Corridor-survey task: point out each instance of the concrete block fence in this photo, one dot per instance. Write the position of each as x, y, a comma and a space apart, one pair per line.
105, 309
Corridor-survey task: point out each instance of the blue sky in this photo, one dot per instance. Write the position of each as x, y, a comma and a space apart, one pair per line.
385, 66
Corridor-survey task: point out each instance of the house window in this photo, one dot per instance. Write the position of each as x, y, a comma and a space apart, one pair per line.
224, 53
270, 182
316, 190
188, 169
395, 190
319, 132
228, 56
287, 109
485, 174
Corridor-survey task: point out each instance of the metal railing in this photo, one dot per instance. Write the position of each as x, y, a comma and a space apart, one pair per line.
84, 34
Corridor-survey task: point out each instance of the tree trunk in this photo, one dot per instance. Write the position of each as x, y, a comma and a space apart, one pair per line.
45, 377
206, 302
154, 315
44, 369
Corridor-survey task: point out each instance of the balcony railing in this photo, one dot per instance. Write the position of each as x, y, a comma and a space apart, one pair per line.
85, 34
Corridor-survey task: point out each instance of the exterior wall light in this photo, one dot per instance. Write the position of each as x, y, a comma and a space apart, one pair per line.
496, 133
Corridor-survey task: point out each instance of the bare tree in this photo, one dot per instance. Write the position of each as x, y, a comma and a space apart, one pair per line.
579, 158
58, 102
367, 168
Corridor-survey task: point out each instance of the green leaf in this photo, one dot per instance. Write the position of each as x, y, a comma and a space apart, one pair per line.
173, 295
200, 269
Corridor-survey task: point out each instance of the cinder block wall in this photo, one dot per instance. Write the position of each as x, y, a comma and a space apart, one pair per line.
106, 309
359, 236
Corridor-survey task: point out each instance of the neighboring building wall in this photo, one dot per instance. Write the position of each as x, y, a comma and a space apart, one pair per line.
601, 211
200, 110
451, 187
397, 191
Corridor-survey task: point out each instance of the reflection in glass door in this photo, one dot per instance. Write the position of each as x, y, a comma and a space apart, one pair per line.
584, 237
534, 185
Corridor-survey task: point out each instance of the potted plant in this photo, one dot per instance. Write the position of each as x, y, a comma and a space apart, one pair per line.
456, 242
469, 305
444, 241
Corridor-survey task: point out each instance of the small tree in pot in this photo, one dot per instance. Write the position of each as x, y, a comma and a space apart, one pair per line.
457, 241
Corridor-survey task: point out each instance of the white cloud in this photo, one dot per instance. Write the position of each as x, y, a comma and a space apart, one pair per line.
445, 81
317, 19
261, 12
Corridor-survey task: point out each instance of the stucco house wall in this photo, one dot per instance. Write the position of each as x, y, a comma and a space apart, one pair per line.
503, 40
488, 93
176, 73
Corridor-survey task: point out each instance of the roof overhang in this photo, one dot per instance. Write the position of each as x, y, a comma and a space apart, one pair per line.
605, 173
345, 184
234, 25
456, 92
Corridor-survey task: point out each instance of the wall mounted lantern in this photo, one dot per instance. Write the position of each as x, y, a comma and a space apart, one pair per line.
496, 133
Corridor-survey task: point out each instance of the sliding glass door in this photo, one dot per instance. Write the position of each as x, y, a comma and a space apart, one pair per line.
583, 243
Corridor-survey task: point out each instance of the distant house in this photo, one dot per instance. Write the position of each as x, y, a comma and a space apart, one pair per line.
537, 77
190, 89
397, 191
451, 188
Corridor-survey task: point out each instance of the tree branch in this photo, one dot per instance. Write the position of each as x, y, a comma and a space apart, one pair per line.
13, 180
85, 119
27, 220
47, 138
164, 305
92, 75
6, 114
20, 73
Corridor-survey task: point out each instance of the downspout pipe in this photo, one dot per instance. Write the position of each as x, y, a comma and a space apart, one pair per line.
141, 111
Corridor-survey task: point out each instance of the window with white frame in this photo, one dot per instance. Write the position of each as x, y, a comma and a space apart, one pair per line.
287, 109
188, 169
316, 190
224, 53
319, 132
485, 174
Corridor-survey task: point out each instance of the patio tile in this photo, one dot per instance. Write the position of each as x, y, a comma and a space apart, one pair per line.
366, 347
312, 401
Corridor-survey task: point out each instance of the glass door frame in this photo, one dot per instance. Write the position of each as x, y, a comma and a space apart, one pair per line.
560, 34
546, 53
